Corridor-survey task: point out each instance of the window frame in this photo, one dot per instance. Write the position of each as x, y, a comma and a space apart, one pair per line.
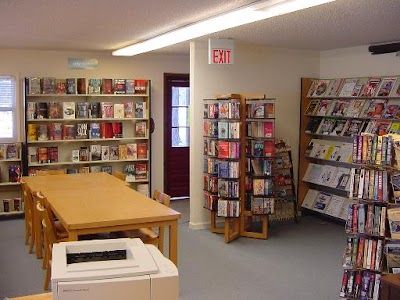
13, 109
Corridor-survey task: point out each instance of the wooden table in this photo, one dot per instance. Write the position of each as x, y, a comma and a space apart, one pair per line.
45, 296
98, 202
390, 287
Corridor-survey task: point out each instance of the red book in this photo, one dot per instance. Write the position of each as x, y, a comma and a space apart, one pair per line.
106, 130
107, 86
268, 129
269, 148
117, 129
223, 149
142, 150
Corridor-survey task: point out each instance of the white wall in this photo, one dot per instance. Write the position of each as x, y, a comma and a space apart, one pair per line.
274, 72
22, 64
357, 62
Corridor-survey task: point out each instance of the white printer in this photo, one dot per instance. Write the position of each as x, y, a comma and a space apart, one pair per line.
113, 269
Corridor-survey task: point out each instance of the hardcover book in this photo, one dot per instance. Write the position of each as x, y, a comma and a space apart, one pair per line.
34, 86
42, 110
129, 86
105, 152
94, 86
48, 85
107, 86
69, 132
69, 110
140, 129
42, 134
94, 132
71, 86
95, 152
81, 86
128, 110
140, 86
140, 108
61, 86
131, 151
114, 152
82, 131
56, 130
312, 107
141, 150
55, 110
119, 111
83, 154
107, 110
119, 86
82, 110
95, 110
123, 152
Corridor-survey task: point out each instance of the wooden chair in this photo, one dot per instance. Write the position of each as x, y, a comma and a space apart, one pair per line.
49, 239
59, 232
149, 235
119, 175
50, 172
29, 216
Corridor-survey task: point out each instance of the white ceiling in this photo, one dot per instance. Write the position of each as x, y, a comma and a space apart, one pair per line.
106, 25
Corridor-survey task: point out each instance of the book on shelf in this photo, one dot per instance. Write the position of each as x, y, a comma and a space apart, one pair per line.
95, 152
106, 129
262, 206
71, 86
56, 130
14, 173
234, 130
128, 110
94, 130
114, 152
83, 154
42, 132
41, 110
31, 111
140, 86
129, 86
106, 169
33, 154
309, 199
83, 170
119, 111
334, 206
322, 201
105, 152
326, 126
94, 169
140, 129
391, 111
358, 88
131, 151
339, 108
141, 149
140, 110
69, 132
106, 86
334, 87
353, 127
82, 131
48, 85
119, 86
313, 125
141, 171
82, 110
94, 110
223, 109
34, 86
117, 131
61, 86
374, 109
324, 107
143, 188
55, 110
81, 85
53, 154
32, 132
94, 86
223, 130
9, 151
123, 152
354, 108
107, 110
69, 110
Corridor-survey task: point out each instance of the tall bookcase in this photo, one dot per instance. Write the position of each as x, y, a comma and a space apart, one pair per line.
10, 172
89, 125
238, 155
367, 146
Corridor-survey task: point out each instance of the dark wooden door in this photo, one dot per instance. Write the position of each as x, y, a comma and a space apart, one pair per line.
176, 134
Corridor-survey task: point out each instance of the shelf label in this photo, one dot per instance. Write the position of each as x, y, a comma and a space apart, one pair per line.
220, 51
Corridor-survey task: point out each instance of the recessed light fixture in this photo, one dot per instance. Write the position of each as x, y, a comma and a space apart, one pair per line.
258, 11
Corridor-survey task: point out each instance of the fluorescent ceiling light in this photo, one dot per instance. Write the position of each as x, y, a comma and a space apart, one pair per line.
256, 12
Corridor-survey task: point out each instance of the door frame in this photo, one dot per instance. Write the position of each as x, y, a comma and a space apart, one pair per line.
167, 77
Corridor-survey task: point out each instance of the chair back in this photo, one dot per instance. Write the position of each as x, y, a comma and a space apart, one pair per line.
50, 172
28, 201
119, 175
48, 229
161, 197
39, 198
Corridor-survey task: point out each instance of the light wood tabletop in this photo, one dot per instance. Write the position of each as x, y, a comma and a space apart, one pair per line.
99, 202
45, 296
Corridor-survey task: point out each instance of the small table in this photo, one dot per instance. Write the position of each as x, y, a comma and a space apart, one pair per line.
45, 296
390, 287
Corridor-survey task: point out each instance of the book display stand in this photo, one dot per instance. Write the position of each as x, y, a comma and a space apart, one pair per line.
349, 133
88, 125
10, 172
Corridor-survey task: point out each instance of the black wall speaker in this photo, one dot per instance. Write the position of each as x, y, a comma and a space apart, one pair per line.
384, 48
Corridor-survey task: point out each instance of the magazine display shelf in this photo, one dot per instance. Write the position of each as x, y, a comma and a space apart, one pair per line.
89, 131
367, 110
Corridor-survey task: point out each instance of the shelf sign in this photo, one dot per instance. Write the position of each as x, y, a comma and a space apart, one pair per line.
220, 51
82, 63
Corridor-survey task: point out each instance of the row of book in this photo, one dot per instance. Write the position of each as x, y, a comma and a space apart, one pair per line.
221, 130
262, 206
222, 110
363, 253
94, 130
228, 208
51, 85
85, 110
9, 151
363, 285
94, 152
259, 166
369, 184
12, 204
330, 150
136, 171
328, 175
83, 169
373, 149
349, 127
326, 203
262, 109
368, 219
210, 201
354, 108
260, 129
263, 187
210, 183
260, 148
356, 87
228, 188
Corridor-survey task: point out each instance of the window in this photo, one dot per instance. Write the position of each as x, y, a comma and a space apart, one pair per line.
8, 110
180, 116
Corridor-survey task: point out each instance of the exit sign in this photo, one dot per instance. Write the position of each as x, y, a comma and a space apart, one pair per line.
220, 51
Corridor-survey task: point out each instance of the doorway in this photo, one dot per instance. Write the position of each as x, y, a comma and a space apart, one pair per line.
176, 135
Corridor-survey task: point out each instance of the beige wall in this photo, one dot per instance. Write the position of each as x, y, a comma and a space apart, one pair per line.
357, 62
275, 72
22, 64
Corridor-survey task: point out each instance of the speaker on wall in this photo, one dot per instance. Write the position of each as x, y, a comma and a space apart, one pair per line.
384, 48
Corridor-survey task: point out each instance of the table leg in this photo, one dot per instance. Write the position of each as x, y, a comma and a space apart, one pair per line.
72, 236
173, 242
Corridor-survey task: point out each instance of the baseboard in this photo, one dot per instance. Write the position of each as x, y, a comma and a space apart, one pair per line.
199, 226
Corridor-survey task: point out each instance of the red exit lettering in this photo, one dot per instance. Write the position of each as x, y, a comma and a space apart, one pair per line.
221, 56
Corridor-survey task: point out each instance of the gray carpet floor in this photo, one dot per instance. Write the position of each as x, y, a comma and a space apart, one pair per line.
297, 261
